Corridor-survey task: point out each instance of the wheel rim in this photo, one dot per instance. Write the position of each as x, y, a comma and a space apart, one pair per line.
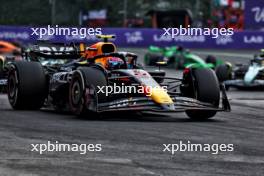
12, 88
76, 93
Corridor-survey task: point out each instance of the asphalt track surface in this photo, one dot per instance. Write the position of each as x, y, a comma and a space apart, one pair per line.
132, 144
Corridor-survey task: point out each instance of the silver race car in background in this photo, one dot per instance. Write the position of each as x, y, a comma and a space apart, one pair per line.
248, 76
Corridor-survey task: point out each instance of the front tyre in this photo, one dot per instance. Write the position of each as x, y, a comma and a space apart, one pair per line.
206, 89
83, 80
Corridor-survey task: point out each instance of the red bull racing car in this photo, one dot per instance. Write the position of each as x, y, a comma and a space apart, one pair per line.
82, 84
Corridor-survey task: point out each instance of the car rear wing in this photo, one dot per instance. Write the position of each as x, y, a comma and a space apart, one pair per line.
55, 51
106, 37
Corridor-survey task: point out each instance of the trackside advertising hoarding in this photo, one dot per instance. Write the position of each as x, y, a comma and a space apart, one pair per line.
254, 14
134, 37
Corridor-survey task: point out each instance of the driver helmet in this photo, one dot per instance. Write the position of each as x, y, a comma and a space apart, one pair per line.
259, 60
262, 52
114, 63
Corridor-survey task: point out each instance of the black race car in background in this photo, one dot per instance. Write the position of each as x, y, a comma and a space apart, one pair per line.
77, 85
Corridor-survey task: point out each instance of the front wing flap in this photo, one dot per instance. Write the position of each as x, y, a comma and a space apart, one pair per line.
146, 104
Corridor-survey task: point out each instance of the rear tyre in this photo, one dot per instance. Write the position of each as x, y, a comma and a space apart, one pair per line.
83, 79
27, 85
223, 73
206, 90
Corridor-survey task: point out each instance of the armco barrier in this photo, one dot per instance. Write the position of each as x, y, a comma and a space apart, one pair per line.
135, 37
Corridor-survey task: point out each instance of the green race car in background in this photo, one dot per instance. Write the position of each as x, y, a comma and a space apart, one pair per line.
178, 57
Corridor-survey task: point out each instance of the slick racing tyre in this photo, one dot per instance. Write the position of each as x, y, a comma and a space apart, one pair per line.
83, 80
206, 90
223, 73
27, 85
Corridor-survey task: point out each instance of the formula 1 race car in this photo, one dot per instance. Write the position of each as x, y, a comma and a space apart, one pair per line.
178, 57
9, 52
83, 85
248, 76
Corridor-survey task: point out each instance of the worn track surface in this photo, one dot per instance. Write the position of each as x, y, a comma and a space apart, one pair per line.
132, 144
